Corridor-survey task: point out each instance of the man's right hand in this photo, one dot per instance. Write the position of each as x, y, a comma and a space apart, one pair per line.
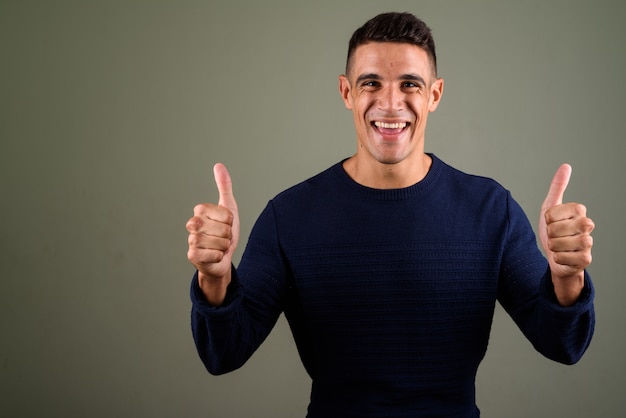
213, 237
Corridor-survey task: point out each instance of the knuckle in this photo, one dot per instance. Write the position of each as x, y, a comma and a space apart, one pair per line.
193, 224
588, 225
193, 239
199, 208
580, 209
587, 242
192, 255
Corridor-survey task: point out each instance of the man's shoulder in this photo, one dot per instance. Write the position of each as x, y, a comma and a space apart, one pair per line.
468, 182
324, 180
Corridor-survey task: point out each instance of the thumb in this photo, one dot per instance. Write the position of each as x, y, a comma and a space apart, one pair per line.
224, 187
557, 187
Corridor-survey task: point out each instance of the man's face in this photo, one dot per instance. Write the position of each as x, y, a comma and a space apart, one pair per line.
390, 89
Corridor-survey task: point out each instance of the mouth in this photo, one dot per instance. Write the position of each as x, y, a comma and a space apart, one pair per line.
390, 128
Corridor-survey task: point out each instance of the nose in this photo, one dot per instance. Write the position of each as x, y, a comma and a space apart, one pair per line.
391, 99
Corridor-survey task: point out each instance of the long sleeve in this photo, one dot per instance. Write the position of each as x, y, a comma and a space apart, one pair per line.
227, 336
526, 293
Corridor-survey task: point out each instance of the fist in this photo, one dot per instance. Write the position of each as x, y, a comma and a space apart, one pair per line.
565, 230
214, 231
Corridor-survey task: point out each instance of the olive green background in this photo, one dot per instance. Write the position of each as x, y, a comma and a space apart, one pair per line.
112, 114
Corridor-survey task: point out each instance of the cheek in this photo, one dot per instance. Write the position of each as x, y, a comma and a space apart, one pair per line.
359, 110
363, 107
421, 107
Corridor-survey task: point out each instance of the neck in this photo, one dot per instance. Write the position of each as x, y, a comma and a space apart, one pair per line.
377, 175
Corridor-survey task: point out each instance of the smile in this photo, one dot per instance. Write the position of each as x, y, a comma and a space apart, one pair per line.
396, 125
390, 130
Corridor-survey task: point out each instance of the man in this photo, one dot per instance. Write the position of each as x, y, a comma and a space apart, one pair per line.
388, 264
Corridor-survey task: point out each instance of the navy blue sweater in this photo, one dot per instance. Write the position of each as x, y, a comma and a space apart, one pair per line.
390, 294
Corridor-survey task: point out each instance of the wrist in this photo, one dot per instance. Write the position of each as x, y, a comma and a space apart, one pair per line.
568, 289
214, 288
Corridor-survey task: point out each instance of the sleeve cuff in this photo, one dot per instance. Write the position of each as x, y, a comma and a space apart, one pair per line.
233, 294
584, 302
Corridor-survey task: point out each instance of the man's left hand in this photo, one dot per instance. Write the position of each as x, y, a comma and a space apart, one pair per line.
565, 234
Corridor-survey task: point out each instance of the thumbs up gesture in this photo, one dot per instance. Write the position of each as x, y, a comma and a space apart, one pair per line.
565, 234
213, 237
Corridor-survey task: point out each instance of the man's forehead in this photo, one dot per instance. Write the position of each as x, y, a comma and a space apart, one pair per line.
402, 57
385, 49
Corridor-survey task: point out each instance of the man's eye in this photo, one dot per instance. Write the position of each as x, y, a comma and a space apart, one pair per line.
409, 84
370, 84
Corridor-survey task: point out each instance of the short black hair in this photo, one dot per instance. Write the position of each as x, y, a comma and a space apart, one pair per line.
394, 27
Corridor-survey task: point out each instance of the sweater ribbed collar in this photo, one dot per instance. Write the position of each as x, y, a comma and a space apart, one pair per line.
418, 189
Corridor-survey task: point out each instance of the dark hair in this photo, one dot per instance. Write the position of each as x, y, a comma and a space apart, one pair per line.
394, 27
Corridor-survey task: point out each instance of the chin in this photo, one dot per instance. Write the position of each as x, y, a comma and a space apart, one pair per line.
390, 160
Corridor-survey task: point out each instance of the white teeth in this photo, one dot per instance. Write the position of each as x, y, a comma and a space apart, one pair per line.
397, 125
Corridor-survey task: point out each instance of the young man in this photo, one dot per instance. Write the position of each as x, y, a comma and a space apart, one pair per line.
388, 265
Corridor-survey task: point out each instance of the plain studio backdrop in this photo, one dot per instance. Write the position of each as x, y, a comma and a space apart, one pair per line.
112, 114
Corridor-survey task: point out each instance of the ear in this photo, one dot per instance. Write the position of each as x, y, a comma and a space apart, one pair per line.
436, 91
344, 90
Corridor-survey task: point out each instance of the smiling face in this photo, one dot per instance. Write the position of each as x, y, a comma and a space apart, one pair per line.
391, 87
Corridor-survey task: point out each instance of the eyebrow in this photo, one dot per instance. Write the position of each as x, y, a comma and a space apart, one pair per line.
414, 77
369, 76
373, 76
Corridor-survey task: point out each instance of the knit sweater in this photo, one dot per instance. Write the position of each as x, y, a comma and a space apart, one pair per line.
390, 294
